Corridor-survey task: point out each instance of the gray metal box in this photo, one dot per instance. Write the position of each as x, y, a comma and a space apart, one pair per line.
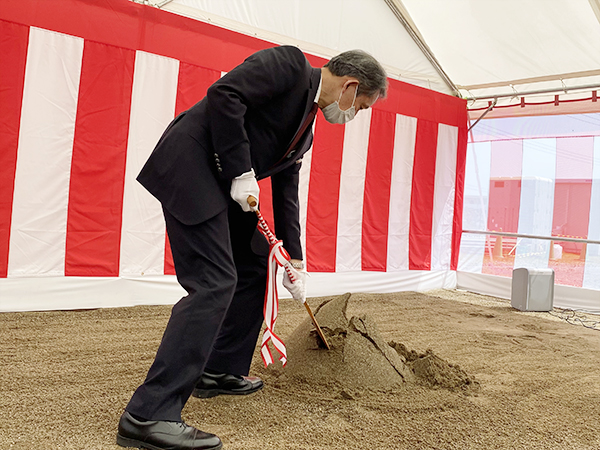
532, 289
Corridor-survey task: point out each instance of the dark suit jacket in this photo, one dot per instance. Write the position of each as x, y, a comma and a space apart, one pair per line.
247, 120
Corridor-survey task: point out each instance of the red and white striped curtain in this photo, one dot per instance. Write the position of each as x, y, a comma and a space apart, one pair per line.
85, 92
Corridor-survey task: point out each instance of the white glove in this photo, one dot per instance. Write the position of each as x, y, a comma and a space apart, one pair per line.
298, 287
244, 186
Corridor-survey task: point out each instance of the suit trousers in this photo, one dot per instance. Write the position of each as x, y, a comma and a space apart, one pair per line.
222, 265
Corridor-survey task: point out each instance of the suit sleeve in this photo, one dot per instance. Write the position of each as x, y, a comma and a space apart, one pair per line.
286, 209
262, 76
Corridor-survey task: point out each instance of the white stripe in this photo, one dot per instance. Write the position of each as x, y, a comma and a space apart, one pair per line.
537, 186
443, 197
352, 184
591, 274
400, 193
303, 185
537, 202
152, 108
40, 202
475, 206
536, 209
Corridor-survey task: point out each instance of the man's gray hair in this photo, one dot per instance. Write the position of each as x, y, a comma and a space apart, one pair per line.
362, 66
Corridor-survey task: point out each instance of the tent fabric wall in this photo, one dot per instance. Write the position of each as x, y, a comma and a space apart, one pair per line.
537, 176
567, 297
91, 86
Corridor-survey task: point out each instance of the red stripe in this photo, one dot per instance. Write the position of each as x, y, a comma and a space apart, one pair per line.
98, 165
376, 205
505, 202
573, 187
192, 85
461, 160
323, 197
572, 200
169, 264
13, 54
421, 203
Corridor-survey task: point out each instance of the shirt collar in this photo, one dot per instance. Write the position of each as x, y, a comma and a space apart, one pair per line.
319, 88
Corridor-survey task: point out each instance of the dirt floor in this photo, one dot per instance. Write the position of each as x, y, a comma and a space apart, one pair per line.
65, 378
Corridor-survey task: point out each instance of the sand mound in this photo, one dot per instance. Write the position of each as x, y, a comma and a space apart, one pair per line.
434, 371
359, 357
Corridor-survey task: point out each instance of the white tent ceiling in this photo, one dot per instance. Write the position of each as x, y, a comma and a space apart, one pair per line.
482, 42
323, 28
492, 47
487, 48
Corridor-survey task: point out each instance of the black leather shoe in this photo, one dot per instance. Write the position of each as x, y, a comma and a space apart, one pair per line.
211, 385
162, 435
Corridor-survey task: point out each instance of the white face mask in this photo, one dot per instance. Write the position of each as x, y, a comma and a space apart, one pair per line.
334, 114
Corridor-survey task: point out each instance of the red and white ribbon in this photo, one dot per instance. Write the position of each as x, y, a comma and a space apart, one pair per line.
278, 256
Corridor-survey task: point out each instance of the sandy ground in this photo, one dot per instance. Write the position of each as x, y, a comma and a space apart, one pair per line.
65, 378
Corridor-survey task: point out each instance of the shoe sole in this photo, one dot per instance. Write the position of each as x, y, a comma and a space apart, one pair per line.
209, 393
128, 442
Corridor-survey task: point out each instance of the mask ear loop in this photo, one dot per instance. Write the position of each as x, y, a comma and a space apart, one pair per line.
353, 100
355, 94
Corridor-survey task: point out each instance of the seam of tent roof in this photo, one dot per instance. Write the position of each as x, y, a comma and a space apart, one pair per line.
415, 78
595, 4
404, 18
515, 94
557, 77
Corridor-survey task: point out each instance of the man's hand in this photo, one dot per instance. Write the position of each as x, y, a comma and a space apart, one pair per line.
244, 186
297, 287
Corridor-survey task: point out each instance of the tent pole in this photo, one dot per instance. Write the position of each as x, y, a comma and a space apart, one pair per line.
484, 113
539, 91
156, 5
534, 236
399, 11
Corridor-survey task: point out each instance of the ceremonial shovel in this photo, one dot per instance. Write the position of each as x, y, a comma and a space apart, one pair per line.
272, 240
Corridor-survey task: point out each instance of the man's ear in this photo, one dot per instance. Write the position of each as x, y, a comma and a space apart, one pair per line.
349, 82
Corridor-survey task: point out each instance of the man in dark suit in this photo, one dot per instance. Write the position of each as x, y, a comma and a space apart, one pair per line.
255, 122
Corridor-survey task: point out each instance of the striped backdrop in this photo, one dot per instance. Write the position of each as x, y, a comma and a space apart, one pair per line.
83, 102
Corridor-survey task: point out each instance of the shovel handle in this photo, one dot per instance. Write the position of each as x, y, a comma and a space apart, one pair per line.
252, 202
316, 324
